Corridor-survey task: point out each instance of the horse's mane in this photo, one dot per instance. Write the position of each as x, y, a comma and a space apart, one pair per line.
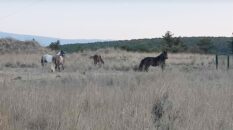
161, 57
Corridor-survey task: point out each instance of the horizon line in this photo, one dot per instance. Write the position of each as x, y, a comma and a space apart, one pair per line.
109, 39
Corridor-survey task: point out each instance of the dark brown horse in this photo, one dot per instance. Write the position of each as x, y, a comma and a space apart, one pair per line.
97, 59
153, 61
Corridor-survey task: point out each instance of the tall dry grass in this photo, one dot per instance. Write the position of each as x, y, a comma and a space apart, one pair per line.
189, 94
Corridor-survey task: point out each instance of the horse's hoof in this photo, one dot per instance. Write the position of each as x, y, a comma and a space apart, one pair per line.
58, 76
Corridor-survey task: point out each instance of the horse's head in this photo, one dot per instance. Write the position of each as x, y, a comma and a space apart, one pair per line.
61, 53
165, 54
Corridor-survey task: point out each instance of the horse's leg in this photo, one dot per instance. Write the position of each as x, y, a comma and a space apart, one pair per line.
42, 61
102, 61
55, 67
146, 68
59, 68
141, 66
52, 68
162, 66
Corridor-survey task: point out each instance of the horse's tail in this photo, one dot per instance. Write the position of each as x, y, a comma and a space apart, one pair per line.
63, 59
42, 61
141, 65
101, 60
54, 59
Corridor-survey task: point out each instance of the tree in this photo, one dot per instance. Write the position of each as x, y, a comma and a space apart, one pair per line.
55, 45
173, 44
168, 39
205, 45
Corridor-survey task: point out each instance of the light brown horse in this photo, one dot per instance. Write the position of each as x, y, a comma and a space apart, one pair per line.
58, 62
97, 59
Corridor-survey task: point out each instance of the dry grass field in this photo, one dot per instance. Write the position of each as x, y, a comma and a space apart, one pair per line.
189, 95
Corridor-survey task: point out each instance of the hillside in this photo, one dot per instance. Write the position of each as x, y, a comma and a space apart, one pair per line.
44, 41
151, 45
9, 45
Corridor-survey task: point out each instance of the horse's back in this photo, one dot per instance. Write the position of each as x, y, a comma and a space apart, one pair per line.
148, 59
47, 57
58, 59
97, 59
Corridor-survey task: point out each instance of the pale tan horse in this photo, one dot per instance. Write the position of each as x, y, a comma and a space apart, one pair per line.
58, 62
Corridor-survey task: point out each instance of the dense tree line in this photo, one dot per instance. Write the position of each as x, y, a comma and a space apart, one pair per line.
167, 42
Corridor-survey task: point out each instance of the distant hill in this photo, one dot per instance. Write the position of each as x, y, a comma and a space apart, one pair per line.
45, 41
221, 45
9, 45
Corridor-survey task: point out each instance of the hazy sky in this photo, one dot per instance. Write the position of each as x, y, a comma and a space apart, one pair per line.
117, 19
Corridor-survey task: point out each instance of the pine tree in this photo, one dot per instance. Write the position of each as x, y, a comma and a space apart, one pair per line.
173, 44
168, 40
55, 45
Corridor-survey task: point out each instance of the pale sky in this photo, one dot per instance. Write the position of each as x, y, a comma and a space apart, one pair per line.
116, 19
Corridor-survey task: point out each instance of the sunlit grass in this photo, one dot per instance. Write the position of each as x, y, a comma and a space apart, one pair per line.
189, 94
